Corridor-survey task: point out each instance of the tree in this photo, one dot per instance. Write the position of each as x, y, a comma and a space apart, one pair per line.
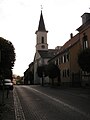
53, 71
7, 57
84, 60
8, 74
42, 72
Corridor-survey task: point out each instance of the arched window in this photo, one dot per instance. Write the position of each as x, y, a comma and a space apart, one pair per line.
42, 40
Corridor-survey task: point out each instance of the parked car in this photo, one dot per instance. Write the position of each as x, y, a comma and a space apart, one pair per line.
7, 84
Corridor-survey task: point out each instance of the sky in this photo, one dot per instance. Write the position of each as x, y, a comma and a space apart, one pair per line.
19, 21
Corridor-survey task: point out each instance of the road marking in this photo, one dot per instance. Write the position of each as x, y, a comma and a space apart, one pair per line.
63, 103
19, 114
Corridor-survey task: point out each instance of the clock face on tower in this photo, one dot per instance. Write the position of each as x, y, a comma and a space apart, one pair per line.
43, 46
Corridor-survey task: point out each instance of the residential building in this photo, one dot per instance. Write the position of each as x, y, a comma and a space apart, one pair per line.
67, 59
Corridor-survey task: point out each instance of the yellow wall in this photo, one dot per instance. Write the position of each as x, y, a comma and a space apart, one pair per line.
74, 51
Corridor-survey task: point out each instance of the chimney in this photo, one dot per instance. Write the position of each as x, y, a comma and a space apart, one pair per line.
85, 17
71, 35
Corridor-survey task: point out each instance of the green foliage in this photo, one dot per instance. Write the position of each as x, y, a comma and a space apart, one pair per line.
84, 60
8, 74
7, 56
42, 70
53, 70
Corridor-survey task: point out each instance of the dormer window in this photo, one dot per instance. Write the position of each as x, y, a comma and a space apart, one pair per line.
42, 40
85, 41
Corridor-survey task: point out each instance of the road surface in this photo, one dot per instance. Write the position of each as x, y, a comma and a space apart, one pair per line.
45, 103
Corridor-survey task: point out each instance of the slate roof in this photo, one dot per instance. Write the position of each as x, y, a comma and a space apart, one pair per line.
84, 25
41, 26
70, 42
47, 53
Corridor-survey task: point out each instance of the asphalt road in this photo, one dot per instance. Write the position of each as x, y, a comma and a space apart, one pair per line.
45, 103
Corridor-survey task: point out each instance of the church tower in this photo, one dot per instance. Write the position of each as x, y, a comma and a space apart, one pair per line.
41, 35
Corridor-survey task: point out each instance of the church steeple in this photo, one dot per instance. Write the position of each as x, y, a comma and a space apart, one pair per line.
41, 26
41, 35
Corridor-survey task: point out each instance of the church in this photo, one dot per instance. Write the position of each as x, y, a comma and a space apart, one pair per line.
43, 54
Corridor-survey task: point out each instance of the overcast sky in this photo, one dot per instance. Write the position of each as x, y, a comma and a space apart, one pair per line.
19, 21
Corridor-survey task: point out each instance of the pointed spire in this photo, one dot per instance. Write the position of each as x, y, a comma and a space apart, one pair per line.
41, 26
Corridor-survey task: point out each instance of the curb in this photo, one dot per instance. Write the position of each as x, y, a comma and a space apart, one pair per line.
19, 114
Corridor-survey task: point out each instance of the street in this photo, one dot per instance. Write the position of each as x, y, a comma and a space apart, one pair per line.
45, 103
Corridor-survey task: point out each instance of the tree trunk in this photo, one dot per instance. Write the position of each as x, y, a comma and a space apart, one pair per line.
42, 81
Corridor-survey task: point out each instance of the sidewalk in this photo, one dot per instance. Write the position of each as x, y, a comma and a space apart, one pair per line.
82, 92
7, 110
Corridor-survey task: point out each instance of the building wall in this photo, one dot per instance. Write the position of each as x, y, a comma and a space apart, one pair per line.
64, 67
36, 78
67, 60
86, 31
74, 51
39, 43
36, 62
72, 64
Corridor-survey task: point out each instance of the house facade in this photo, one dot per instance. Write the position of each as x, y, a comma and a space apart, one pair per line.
67, 59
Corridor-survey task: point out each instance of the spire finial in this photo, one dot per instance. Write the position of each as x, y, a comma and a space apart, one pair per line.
41, 7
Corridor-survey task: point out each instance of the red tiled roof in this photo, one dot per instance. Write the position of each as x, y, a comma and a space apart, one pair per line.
70, 42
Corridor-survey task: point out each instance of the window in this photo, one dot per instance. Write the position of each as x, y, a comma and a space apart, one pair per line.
85, 41
57, 62
67, 57
64, 58
66, 73
85, 44
42, 40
